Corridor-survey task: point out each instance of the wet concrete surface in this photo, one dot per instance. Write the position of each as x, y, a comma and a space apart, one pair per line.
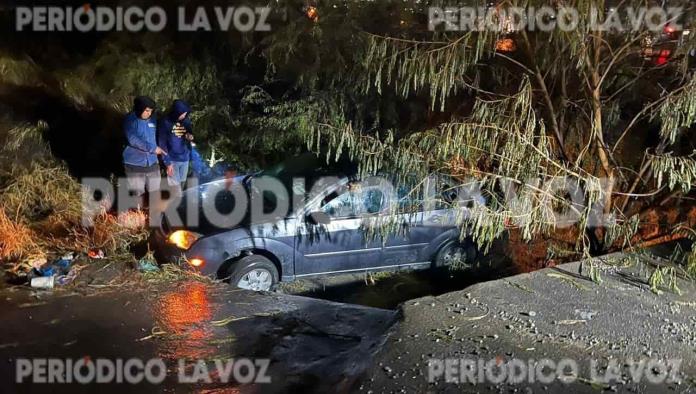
553, 314
317, 345
313, 345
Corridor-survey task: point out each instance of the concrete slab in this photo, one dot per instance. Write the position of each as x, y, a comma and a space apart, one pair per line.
555, 314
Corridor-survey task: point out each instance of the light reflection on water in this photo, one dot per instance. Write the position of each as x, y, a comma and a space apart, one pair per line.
185, 315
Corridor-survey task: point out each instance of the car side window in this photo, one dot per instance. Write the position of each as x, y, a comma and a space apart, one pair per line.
340, 206
409, 200
354, 202
372, 201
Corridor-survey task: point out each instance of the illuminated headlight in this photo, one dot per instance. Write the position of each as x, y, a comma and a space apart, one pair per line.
183, 239
196, 263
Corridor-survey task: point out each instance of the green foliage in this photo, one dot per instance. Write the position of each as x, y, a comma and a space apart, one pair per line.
412, 66
691, 264
664, 276
595, 274
623, 231
564, 104
679, 171
19, 71
678, 111
687, 259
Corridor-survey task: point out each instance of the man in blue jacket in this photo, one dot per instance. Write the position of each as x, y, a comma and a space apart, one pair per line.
175, 133
140, 156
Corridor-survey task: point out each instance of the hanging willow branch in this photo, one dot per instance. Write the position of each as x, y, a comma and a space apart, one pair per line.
679, 171
411, 66
547, 110
502, 142
678, 111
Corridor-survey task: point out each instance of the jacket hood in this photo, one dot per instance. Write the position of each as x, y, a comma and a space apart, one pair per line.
179, 107
142, 102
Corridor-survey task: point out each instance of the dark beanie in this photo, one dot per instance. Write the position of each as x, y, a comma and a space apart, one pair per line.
142, 102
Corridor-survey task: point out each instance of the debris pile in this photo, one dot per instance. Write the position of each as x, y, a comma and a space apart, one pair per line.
41, 212
46, 276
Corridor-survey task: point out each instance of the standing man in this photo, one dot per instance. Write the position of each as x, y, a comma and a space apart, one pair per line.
175, 134
140, 156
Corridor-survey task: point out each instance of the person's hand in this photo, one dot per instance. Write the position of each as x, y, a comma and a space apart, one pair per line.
170, 170
189, 136
179, 130
160, 151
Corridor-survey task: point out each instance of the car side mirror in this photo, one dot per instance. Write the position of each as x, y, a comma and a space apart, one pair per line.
318, 217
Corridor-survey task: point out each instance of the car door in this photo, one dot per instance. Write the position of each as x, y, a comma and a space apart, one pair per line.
341, 245
419, 229
416, 229
420, 222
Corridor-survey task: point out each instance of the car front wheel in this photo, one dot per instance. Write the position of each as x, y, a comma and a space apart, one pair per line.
255, 273
456, 255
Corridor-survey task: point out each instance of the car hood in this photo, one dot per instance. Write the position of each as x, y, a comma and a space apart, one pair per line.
212, 208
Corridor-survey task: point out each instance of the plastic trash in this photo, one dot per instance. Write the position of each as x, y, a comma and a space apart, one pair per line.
63, 280
68, 256
46, 276
96, 254
145, 265
43, 282
63, 264
48, 271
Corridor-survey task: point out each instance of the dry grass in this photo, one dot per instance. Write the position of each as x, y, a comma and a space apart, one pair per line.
15, 239
41, 207
172, 273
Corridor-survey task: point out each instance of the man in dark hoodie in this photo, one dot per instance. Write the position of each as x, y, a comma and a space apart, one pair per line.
140, 156
175, 133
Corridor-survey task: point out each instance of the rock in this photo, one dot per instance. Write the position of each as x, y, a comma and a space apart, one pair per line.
585, 315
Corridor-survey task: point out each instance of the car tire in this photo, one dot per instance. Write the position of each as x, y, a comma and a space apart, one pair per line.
455, 254
256, 273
